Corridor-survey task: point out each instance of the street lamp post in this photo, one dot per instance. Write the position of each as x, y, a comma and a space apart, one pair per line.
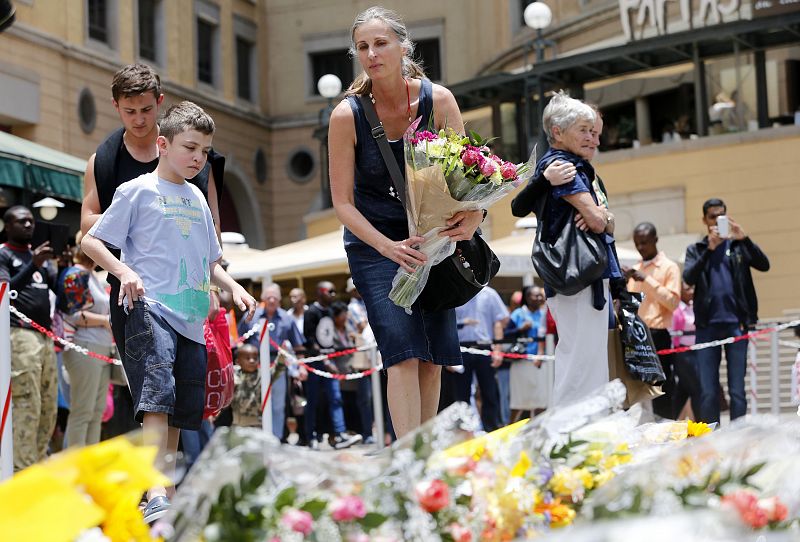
329, 87
48, 207
538, 16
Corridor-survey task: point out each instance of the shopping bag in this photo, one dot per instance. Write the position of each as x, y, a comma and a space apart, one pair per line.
637, 391
219, 370
638, 349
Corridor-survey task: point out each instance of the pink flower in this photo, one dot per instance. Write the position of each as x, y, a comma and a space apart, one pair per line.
358, 537
460, 533
298, 521
776, 511
348, 508
471, 156
508, 170
746, 504
488, 167
432, 495
424, 135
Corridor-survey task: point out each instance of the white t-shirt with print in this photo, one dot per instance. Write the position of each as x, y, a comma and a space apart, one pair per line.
166, 235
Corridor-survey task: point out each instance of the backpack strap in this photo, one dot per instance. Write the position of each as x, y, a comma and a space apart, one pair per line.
105, 167
379, 135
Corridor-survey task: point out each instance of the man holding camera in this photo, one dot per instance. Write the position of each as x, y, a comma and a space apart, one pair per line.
725, 305
34, 385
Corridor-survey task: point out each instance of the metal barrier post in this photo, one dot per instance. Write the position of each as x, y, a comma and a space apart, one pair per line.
549, 366
266, 376
752, 361
377, 398
7, 436
774, 367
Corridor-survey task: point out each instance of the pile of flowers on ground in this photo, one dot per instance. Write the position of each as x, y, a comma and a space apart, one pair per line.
87, 494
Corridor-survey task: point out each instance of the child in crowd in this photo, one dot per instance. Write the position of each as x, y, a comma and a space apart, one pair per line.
246, 404
171, 253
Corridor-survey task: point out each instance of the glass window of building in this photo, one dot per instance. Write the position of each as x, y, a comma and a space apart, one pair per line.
429, 52
337, 62
244, 72
97, 15
148, 30
206, 32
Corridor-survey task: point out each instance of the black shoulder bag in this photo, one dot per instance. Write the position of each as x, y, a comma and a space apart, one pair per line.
468, 270
573, 260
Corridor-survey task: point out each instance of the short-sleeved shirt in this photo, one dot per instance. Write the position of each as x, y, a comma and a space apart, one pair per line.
282, 328
487, 308
166, 235
538, 329
31, 283
318, 328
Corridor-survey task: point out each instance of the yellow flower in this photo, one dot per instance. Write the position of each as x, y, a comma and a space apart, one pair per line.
585, 477
522, 465
698, 429
594, 457
561, 515
602, 477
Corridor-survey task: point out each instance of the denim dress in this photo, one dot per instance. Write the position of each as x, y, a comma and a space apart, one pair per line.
429, 336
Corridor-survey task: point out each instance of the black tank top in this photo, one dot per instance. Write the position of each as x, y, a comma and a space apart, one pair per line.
373, 191
129, 168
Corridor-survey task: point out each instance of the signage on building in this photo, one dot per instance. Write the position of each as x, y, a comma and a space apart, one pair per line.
764, 8
637, 15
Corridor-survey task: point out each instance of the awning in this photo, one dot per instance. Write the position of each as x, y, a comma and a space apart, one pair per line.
28, 165
316, 256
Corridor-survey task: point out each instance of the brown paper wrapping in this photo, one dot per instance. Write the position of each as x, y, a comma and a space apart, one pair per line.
430, 204
637, 390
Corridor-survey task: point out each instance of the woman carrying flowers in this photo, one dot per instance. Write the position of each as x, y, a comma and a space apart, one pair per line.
413, 346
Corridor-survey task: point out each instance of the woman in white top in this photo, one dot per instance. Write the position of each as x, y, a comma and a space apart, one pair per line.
83, 300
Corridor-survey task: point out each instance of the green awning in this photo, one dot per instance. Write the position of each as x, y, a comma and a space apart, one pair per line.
28, 165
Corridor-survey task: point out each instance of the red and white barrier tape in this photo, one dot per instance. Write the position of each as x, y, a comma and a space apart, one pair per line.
730, 340
63, 342
6, 408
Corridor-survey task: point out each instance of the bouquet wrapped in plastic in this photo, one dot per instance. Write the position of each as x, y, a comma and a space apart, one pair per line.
447, 173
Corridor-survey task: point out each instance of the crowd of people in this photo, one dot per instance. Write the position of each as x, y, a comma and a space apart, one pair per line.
152, 192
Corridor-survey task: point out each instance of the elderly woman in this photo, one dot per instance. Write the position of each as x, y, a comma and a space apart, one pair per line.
582, 319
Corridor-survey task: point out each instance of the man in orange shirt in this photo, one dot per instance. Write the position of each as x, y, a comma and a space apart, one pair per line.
659, 280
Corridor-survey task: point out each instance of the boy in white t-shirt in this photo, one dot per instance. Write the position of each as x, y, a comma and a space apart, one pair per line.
170, 257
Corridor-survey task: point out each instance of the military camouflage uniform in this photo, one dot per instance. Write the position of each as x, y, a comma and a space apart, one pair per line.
34, 395
246, 404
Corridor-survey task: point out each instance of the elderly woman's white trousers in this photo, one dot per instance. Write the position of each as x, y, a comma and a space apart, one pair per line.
581, 364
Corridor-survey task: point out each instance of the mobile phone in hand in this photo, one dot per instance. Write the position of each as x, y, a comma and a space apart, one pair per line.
723, 227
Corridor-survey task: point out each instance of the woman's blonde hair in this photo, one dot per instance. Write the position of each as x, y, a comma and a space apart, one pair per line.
411, 68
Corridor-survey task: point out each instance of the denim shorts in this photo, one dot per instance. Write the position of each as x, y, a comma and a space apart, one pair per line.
429, 336
166, 371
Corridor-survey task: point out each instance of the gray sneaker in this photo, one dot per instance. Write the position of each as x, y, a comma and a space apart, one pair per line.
343, 440
156, 509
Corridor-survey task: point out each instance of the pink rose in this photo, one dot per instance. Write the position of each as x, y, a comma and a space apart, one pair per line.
348, 508
488, 167
470, 157
460, 533
508, 170
746, 504
776, 511
432, 495
298, 521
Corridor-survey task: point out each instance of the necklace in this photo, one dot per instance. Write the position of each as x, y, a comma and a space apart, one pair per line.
408, 100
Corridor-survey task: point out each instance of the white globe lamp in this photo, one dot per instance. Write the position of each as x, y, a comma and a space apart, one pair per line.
538, 16
329, 86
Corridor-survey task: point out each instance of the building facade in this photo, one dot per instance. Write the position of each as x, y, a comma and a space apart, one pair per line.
254, 65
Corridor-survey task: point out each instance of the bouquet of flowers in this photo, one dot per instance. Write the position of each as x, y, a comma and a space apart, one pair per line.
447, 173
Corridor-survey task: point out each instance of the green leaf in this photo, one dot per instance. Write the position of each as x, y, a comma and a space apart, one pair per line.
372, 520
315, 507
752, 471
285, 498
255, 481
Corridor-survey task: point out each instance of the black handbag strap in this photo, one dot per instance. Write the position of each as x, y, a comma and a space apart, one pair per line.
379, 135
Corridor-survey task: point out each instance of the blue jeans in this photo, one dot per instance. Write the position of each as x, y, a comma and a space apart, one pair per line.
365, 411
708, 361
481, 367
504, 387
331, 388
278, 398
195, 441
